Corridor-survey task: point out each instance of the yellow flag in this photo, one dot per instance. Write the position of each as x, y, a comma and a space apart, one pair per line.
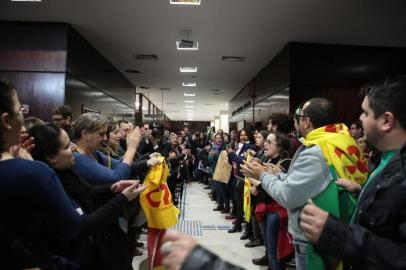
341, 151
247, 195
156, 200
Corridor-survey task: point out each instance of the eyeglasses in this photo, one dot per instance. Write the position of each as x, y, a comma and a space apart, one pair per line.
24, 109
298, 116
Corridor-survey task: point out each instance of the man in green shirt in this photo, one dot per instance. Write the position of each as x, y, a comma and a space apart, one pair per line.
376, 235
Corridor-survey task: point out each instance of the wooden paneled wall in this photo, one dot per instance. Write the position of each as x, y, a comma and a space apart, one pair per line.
33, 58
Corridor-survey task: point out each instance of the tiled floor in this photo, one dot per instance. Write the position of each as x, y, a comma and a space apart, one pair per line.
214, 235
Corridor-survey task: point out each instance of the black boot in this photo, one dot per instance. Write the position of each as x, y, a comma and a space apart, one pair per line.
261, 261
219, 208
246, 235
236, 228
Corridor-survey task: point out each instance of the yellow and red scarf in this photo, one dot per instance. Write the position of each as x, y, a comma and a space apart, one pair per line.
344, 160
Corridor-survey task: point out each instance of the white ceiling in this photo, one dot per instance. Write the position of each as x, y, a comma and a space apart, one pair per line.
255, 29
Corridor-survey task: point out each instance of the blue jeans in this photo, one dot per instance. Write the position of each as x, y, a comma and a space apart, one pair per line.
300, 254
271, 231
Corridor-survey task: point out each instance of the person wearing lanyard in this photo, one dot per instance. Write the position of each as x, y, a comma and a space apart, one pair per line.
376, 235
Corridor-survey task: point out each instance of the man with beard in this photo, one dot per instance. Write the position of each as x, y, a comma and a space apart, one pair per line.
376, 235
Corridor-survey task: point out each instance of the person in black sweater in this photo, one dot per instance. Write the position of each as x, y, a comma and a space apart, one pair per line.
101, 243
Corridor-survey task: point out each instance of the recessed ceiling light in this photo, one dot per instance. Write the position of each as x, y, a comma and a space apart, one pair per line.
185, 2
187, 45
189, 106
189, 111
189, 101
188, 69
189, 84
189, 95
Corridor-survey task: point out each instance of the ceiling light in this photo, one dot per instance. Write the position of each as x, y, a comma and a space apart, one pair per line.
189, 111
189, 106
188, 69
189, 95
189, 84
187, 45
185, 2
189, 101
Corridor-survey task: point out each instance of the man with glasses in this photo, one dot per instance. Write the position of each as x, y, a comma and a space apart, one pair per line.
309, 173
62, 117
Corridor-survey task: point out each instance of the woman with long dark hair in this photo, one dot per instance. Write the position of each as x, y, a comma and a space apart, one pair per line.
101, 243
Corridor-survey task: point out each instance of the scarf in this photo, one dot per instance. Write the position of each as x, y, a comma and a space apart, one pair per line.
344, 160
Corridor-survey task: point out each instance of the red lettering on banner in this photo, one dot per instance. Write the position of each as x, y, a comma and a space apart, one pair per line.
166, 198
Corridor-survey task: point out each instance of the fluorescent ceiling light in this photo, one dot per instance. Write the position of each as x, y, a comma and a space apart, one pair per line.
189, 101
189, 111
194, 47
189, 84
189, 106
189, 95
188, 69
185, 2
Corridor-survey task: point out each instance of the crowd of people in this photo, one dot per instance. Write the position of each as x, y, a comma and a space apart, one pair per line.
319, 193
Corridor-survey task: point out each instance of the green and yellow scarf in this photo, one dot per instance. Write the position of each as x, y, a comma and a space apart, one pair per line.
344, 160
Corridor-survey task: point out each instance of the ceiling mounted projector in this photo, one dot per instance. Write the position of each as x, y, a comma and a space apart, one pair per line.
186, 43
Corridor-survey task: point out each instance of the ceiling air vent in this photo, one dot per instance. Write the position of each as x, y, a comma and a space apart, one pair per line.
145, 87
233, 58
165, 89
132, 71
145, 56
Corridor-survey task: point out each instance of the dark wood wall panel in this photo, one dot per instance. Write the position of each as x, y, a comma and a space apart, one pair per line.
33, 58
43, 92
33, 46
345, 66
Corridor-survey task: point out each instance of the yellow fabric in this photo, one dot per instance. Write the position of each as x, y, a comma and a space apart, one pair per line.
156, 199
247, 194
341, 151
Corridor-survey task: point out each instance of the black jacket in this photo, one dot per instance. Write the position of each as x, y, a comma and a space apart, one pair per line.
101, 242
378, 239
202, 259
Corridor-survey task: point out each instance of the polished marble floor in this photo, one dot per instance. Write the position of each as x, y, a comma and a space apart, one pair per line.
210, 230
